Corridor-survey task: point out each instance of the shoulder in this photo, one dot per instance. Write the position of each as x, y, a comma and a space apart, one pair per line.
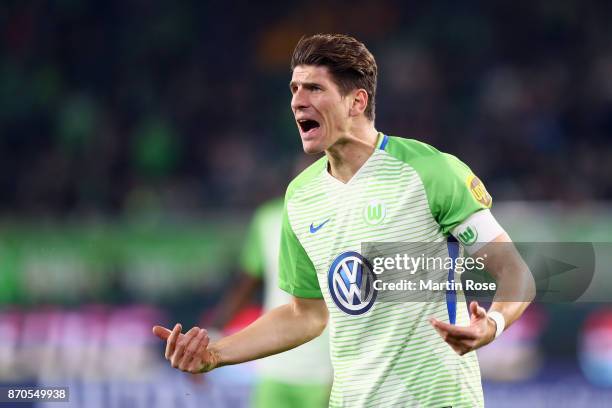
303, 179
422, 157
408, 150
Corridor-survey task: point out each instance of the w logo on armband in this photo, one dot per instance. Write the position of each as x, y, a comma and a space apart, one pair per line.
351, 283
468, 236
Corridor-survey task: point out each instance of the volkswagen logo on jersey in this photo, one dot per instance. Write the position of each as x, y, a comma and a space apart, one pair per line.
351, 283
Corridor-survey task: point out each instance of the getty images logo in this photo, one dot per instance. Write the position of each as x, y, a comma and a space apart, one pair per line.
351, 283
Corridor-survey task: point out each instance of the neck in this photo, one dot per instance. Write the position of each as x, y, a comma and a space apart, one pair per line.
351, 151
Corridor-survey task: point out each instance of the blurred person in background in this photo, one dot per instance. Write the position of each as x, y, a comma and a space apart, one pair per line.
378, 353
297, 378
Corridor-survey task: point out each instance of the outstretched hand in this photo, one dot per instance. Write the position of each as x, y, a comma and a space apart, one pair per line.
480, 332
187, 352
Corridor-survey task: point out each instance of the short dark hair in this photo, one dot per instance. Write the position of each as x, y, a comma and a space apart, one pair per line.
350, 63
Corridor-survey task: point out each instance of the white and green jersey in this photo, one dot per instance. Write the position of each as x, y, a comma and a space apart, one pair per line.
308, 363
383, 354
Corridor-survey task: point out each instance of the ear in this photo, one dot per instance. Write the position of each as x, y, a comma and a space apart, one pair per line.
359, 102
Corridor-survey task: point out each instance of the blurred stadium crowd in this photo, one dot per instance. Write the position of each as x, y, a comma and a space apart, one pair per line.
108, 108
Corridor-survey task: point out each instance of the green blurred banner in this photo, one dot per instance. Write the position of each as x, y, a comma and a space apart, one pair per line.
72, 263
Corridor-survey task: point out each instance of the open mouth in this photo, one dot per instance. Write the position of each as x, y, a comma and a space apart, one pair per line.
308, 124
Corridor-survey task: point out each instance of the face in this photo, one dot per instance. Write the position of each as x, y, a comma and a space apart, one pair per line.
320, 110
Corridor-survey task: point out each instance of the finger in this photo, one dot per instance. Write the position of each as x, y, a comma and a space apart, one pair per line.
190, 350
450, 339
161, 332
482, 312
463, 344
200, 357
176, 357
473, 307
442, 333
448, 330
460, 346
476, 310
171, 342
194, 364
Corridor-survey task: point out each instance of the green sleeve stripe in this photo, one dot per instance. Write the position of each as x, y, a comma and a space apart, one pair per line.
445, 179
297, 274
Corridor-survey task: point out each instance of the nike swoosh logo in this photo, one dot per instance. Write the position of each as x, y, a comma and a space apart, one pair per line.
314, 229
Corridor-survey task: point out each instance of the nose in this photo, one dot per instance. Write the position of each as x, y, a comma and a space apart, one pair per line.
299, 100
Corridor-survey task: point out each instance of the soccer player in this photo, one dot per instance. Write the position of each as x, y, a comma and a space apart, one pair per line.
370, 187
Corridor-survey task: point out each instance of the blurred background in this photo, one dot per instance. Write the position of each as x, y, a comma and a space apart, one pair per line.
138, 136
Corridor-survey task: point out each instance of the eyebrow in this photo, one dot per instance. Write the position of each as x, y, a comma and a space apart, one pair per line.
306, 84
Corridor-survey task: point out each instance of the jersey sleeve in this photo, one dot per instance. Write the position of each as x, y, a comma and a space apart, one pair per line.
252, 255
297, 274
453, 191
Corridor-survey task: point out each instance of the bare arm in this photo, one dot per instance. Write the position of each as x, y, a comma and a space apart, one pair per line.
281, 329
516, 286
516, 290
